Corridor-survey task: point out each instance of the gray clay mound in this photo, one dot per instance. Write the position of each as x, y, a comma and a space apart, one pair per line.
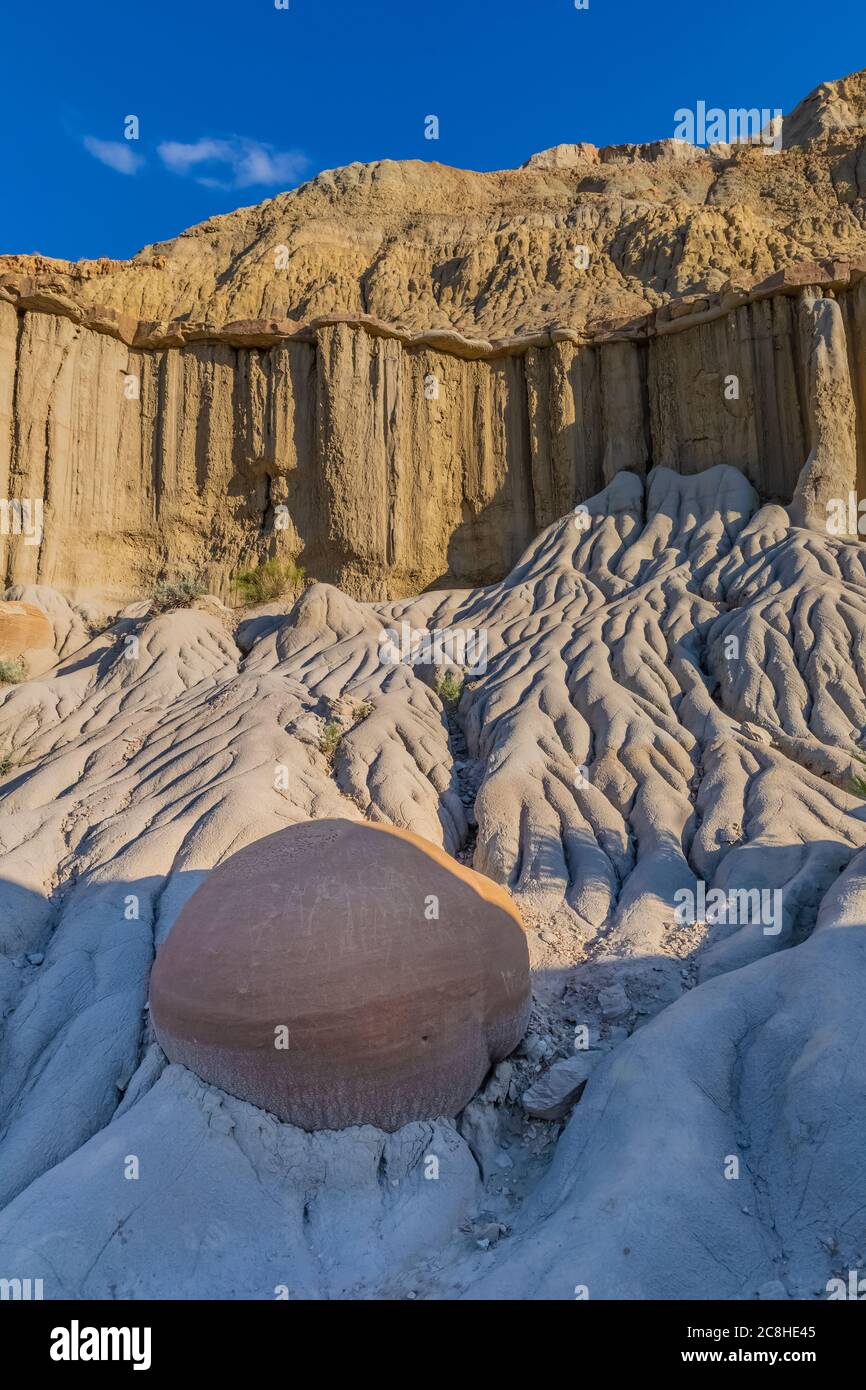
673, 703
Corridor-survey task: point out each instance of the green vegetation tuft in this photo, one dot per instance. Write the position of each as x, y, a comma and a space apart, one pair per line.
12, 672
330, 740
858, 785
272, 580
176, 593
449, 688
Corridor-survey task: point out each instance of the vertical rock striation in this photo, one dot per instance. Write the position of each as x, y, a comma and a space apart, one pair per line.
387, 465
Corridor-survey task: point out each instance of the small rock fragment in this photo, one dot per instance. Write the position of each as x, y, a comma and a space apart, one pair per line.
479, 1125
496, 1090
554, 1093
614, 1002
537, 1047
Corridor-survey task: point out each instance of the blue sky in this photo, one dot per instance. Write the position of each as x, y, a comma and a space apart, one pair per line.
236, 101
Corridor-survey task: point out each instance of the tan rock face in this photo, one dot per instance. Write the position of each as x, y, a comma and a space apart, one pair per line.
425, 245
329, 930
397, 374
381, 468
23, 628
831, 108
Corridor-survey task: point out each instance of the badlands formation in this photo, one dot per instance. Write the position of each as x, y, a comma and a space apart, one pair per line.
633, 482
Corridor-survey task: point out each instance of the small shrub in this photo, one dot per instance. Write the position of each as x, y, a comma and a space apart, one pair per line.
6, 763
176, 593
362, 711
274, 579
858, 784
12, 672
449, 687
330, 740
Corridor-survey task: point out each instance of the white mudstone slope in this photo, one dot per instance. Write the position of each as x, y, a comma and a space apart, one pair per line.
674, 699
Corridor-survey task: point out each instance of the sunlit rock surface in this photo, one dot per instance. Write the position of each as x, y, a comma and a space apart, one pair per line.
339, 973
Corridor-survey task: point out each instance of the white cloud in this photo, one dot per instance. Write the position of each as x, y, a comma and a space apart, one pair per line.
181, 158
260, 164
117, 154
245, 162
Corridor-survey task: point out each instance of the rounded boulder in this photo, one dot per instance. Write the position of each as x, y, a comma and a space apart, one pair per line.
23, 628
340, 973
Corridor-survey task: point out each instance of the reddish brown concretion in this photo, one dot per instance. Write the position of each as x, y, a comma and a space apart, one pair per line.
322, 928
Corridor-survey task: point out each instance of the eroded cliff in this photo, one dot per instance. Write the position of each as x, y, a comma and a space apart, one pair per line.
398, 374
382, 466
